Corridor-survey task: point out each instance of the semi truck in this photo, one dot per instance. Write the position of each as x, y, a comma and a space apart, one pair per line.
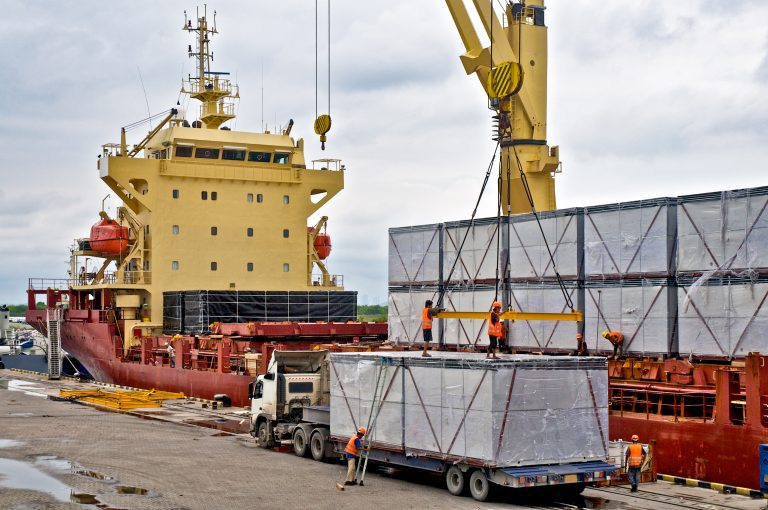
314, 401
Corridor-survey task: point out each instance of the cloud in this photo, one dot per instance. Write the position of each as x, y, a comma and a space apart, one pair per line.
645, 100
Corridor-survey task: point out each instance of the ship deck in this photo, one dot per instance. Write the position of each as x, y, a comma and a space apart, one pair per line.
200, 461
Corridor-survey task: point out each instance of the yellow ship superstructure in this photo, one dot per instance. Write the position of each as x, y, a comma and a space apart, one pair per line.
210, 208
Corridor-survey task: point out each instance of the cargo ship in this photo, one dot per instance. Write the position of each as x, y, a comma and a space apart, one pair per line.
684, 279
209, 262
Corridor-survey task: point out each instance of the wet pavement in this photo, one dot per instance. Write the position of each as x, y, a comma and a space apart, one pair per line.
57, 454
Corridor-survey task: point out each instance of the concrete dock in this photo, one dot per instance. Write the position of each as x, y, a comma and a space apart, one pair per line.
57, 454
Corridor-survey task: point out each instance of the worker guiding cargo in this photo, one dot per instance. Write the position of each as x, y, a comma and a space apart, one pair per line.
427, 315
350, 453
495, 330
634, 460
617, 340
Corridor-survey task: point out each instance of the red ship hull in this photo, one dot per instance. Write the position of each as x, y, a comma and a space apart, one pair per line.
720, 453
95, 345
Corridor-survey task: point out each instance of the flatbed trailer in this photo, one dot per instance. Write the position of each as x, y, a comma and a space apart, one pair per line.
309, 429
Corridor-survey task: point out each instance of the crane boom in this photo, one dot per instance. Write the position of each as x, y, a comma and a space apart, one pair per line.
522, 128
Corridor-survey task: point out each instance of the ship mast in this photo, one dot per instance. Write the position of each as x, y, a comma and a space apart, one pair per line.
208, 87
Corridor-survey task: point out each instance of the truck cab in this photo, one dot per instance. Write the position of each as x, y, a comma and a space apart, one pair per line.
294, 381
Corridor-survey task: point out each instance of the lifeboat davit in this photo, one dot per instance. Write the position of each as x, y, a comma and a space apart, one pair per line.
323, 246
109, 237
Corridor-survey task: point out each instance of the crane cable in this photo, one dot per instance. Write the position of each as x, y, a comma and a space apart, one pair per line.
322, 122
471, 223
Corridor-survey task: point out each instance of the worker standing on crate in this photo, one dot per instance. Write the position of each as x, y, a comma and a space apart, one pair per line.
350, 453
495, 330
617, 340
634, 460
427, 314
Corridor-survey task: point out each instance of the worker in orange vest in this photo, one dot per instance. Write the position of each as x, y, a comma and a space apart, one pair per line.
634, 461
427, 314
617, 340
350, 453
495, 330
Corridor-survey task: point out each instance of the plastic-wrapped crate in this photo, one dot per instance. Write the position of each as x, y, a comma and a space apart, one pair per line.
528, 255
515, 411
630, 238
643, 310
722, 317
414, 255
724, 231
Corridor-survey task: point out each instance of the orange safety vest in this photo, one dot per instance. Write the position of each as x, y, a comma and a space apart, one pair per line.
351, 448
615, 337
494, 329
426, 320
635, 455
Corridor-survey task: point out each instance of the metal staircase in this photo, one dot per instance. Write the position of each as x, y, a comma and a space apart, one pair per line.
54, 343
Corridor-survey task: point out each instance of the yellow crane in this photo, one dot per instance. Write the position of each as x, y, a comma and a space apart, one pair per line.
513, 72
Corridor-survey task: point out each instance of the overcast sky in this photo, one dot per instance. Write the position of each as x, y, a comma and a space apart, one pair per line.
646, 99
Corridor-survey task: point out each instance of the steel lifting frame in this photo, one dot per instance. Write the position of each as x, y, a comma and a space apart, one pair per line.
514, 315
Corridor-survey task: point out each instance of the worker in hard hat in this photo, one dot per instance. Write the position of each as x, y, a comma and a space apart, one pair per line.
427, 314
495, 330
634, 460
617, 340
581, 346
350, 453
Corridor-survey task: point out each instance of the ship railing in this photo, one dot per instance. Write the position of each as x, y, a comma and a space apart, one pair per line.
331, 165
218, 108
50, 283
679, 404
129, 277
333, 280
220, 85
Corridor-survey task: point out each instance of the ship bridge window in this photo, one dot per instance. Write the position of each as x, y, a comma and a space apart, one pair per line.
233, 154
249, 197
259, 157
281, 158
205, 153
214, 266
175, 193
183, 151
175, 265
259, 198
249, 266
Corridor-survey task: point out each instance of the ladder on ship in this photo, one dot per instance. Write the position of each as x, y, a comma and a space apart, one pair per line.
54, 343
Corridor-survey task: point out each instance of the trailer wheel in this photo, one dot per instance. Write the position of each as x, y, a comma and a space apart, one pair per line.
317, 445
300, 442
479, 486
265, 436
455, 480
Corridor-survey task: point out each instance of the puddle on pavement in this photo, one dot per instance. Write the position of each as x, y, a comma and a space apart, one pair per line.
65, 466
21, 415
10, 443
128, 489
592, 502
26, 387
15, 474
231, 426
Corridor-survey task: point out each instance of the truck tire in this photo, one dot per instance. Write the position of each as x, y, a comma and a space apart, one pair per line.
317, 445
264, 435
479, 486
300, 446
455, 480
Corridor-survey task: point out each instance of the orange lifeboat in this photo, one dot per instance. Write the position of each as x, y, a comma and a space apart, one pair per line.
109, 237
323, 246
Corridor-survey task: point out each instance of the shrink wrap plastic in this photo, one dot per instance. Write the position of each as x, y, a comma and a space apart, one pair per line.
516, 411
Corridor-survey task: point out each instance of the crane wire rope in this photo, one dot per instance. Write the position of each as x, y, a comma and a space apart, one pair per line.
471, 223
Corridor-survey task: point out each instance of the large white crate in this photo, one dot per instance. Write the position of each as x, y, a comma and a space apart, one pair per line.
639, 311
723, 318
478, 254
404, 309
528, 253
520, 410
542, 335
726, 231
414, 255
628, 238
